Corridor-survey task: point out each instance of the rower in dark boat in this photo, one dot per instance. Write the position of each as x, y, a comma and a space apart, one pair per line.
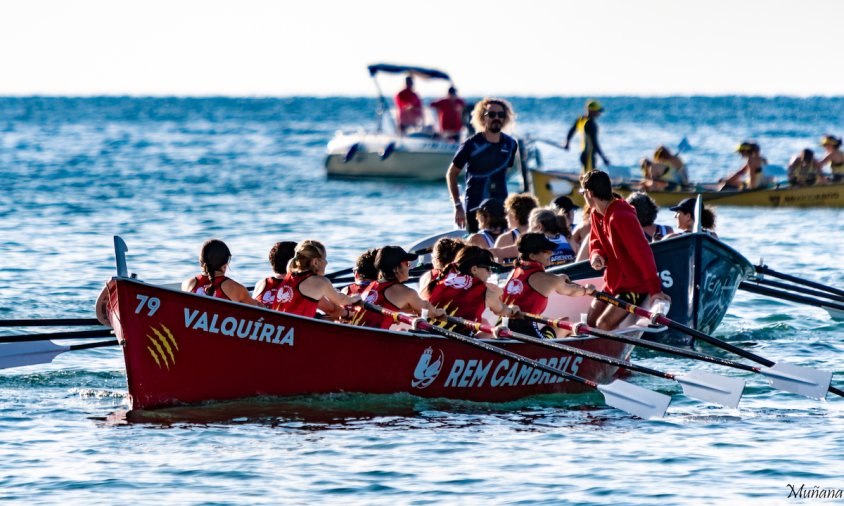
491, 223
214, 259
266, 290
556, 229
646, 211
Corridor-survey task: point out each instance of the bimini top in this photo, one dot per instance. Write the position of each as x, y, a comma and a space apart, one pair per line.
398, 69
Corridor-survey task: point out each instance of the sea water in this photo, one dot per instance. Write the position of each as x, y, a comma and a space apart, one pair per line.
168, 173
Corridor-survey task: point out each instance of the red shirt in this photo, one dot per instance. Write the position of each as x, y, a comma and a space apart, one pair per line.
290, 299
617, 236
409, 106
517, 290
460, 295
450, 113
267, 297
203, 281
374, 294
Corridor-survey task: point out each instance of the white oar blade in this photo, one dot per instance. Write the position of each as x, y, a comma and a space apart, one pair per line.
33, 353
634, 399
836, 314
798, 379
710, 387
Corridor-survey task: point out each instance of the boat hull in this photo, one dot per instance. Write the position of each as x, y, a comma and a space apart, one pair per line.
547, 185
182, 348
389, 156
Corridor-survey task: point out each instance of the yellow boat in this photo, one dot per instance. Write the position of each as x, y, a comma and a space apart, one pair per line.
548, 184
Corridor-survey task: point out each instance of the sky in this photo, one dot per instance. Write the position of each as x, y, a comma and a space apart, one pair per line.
492, 47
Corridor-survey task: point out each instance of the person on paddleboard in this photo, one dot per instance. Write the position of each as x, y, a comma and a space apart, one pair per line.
266, 290
214, 258
389, 292
486, 156
305, 288
587, 127
617, 244
529, 286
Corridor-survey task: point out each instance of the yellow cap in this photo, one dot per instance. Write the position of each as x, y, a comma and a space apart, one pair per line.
827, 140
744, 146
594, 106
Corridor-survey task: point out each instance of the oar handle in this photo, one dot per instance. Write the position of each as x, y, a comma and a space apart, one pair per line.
49, 336
50, 322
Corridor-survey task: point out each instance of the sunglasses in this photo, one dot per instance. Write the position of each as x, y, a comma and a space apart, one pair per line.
495, 114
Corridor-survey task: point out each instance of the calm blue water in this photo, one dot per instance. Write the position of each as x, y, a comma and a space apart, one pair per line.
166, 174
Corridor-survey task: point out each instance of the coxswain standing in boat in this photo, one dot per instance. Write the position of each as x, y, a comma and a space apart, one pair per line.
393, 264
266, 290
305, 288
450, 114
834, 157
617, 244
409, 107
444, 252
214, 259
463, 290
529, 286
491, 223
751, 175
587, 127
487, 156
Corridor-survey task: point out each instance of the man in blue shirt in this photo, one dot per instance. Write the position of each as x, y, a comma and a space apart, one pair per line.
487, 156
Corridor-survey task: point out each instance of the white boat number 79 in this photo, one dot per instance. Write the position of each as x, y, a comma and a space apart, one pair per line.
153, 303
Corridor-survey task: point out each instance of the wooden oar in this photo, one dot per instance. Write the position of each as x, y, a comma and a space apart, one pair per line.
814, 382
763, 269
50, 322
781, 294
619, 394
81, 334
778, 379
22, 354
698, 384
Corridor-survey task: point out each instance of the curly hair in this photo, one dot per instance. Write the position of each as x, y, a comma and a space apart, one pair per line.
646, 208
480, 109
521, 204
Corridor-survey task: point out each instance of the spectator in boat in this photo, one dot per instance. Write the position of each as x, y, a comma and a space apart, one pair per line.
617, 244
463, 290
646, 211
409, 107
529, 286
517, 209
486, 156
266, 290
450, 114
834, 157
214, 258
751, 175
803, 170
393, 264
666, 172
587, 127
491, 223
685, 215
444, 252
305, 288
556, 229
365, 273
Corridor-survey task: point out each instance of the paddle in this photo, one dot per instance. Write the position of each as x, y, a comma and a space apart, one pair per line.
763, 269
619, 394
22, 354
701, 385
815, 382
50, 322
783, 381
81, 334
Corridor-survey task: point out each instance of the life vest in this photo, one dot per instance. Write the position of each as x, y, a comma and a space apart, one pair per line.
356, 288
374, 294
518, 292
267, 297
290, 299
461, 295
203, 281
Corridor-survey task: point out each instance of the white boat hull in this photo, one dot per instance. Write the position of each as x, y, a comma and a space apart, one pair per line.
389, 156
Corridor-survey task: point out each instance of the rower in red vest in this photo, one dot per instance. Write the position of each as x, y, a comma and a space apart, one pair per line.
393, 264
443, 253
266, 290
214, 259
305, 287
529, 285
365, 273
462, 290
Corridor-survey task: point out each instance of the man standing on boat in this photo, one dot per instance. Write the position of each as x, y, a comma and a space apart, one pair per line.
587, 127
409, 107
487, 156
618, 245
450, 113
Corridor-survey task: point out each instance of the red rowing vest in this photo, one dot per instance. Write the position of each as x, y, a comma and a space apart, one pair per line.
268, 296
356, 288
203, 282
518, 291
461, 295
289, 299
374, 294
